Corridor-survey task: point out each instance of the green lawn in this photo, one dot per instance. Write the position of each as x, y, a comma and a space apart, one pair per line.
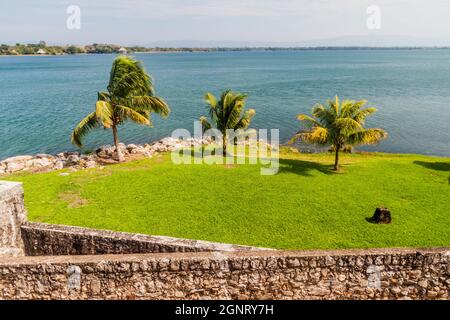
305, 206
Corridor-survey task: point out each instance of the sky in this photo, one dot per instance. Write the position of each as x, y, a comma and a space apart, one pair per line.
144, 22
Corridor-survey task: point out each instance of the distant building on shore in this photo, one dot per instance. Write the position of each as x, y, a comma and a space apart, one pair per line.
41, 51
123, 51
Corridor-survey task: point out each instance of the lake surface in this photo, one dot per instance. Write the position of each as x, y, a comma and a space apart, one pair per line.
43, 98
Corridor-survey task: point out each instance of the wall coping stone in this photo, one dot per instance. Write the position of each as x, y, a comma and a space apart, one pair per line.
89, 259
7, 186
88, 233
12, 216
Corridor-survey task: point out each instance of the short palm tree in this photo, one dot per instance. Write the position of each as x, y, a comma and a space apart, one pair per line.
227, 113
130, 96
340, 124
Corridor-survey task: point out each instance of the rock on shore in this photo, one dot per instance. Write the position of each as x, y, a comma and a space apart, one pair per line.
103, 155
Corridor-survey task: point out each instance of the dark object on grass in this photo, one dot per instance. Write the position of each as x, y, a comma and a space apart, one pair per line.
381, 216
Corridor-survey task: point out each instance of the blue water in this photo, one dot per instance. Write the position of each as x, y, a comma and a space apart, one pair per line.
43, 98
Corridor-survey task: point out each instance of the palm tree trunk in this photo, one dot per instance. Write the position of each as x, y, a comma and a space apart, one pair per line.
120, 157
336, 159
224, 144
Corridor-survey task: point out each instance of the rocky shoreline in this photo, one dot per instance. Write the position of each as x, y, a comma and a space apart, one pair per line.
102, 156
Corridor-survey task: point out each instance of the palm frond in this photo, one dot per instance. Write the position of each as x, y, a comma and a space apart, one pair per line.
317, 135
324, 115
224, 105
129, 77
346, 108
103, 96
308, 121
211, 100
150, 104
83, 128
334, 105
205, 124
212, 107
126, 113
129, 83
347, 125
236, 105
367, 136
104, 113
246, 119
361, 115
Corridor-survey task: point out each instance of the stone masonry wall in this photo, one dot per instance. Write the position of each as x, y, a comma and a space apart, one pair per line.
351, 274
78, 263
54, 240
12, 216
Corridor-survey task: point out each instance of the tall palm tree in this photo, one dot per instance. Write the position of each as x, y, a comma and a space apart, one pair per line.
129, 96
340, 124
227, 113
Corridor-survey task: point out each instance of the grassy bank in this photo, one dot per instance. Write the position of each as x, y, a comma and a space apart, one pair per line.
305, 206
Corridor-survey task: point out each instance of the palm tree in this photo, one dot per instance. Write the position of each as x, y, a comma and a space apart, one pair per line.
340, 125
130, 96
227, 113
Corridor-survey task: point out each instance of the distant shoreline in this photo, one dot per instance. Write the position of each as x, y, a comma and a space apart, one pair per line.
236, 49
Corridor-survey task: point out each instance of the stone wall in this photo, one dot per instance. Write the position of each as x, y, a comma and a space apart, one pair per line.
53, 240
78, 263
12, 216
351, 274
